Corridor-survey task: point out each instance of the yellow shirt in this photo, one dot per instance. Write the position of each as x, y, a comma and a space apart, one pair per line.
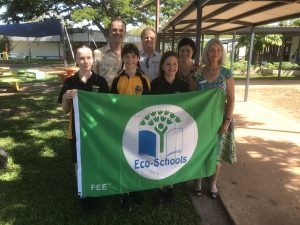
138, 84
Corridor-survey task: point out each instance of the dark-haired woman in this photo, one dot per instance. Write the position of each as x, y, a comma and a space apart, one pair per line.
187, 67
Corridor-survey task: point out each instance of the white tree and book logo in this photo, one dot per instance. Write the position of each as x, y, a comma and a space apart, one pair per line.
159, 140
160, 121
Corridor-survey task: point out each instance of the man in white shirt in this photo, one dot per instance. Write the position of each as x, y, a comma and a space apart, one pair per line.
149, 58
108, 60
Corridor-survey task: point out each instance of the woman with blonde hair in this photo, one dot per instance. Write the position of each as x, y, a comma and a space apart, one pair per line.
214, 75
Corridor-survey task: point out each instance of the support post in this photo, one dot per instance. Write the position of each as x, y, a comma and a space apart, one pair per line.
232, 51
198, 30
173, 37
70, 46
249, 65
281, 57
157, 44
63, 42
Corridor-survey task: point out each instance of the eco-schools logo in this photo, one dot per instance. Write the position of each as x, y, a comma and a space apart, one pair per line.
159, 140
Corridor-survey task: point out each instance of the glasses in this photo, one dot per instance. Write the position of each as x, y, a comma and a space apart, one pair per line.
147, 62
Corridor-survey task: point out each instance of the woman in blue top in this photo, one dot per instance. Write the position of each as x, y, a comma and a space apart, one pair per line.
213, 75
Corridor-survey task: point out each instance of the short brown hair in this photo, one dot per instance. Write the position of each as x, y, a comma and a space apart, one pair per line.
117, 19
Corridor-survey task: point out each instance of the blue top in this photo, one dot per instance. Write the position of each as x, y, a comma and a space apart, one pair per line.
220, 82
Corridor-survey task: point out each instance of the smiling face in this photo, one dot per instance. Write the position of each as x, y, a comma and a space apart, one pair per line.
185, 53
148, 40
130, 61
170, 67
215, 52
84, 58
117, 31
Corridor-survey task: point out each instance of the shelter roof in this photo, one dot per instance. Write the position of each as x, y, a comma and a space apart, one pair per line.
226, 16
36, 29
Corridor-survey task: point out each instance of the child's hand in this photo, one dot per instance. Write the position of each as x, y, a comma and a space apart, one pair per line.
70, 93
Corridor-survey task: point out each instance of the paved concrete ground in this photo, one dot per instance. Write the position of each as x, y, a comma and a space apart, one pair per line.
211, 211
263, 187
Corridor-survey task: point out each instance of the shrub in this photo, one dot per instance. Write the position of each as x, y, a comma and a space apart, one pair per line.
270, 66
240, 65
287, 65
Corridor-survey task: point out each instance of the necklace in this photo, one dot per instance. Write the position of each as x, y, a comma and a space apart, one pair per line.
213, 69
211, 73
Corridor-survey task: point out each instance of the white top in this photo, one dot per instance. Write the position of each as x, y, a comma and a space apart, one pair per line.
152, 71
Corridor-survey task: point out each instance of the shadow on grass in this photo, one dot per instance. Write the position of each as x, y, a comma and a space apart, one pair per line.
39, 185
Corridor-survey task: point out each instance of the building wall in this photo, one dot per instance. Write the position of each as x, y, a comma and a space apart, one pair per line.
52, 48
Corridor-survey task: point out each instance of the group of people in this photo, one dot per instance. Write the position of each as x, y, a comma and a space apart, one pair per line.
124, 69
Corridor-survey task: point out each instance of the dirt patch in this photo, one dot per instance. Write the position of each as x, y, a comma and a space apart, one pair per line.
282, 99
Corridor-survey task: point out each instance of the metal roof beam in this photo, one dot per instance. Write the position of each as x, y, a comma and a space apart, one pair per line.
186, 21
292, 16
189, 26
256, 11
223, 9
250, 13
220, 21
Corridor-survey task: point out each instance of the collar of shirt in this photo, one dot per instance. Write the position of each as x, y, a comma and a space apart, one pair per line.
175, 81
142, 53
107, 49
123, 73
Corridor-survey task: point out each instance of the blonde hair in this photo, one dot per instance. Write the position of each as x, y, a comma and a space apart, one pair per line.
205, 59
146, 29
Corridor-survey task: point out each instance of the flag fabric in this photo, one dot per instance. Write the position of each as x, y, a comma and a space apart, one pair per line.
129, 143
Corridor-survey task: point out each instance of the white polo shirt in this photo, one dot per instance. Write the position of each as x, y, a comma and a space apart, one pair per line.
153, 69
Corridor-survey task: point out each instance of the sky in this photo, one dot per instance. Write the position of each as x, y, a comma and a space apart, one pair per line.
2, 9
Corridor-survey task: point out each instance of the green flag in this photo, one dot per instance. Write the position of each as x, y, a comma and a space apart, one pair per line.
129, 143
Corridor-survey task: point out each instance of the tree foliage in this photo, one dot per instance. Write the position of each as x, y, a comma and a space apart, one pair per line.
261, 41
5, 42
290, 23
94, 12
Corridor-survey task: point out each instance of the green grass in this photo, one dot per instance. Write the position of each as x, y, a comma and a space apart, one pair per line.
39, 186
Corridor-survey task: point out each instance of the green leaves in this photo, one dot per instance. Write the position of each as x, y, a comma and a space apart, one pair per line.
163, 118
169, 121
151, 123
98, 13
177, 120
142, 123
160, 119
